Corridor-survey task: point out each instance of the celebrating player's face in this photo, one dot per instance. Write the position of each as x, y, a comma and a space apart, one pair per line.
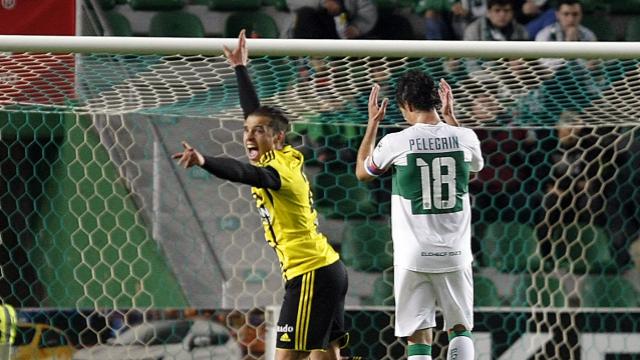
259, 137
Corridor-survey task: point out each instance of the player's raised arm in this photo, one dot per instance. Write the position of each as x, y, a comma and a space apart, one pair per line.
446, 97
229, 169
238, 58
239, 55
376, 114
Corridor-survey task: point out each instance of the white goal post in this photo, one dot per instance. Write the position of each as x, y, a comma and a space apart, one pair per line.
306, 47
123, 227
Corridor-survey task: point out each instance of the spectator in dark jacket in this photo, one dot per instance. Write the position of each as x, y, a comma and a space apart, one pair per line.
497, 25
332, 19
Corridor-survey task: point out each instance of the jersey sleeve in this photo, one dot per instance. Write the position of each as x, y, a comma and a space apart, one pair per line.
477, 163
236, 171
381, 158
249, 101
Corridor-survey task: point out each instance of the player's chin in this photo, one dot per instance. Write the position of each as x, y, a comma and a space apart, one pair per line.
253, 154
253, 158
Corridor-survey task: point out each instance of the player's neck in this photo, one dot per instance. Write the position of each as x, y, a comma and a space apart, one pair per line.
426, 117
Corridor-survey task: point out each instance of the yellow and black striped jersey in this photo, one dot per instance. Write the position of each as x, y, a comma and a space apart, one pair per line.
289, 219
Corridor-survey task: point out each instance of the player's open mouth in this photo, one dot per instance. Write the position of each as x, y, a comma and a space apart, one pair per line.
252, 152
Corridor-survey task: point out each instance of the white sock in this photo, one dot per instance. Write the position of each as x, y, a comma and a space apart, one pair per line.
419, 357
461, 348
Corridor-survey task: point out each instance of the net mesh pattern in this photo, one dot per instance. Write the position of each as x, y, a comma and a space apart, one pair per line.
101, 231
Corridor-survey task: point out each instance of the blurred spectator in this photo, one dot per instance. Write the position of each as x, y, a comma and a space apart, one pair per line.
535, 15
252, 334
567, 26
633, 274
497, 25
332, 19
570, 194
446, 20
581, 185
528, 10
393, 25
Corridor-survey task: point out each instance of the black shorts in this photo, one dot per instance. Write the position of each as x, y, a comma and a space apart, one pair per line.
312, 313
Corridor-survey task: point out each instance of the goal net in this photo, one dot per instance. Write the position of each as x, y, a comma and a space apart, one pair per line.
102, 232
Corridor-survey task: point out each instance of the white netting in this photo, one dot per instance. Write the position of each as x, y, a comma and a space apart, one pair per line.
99, 222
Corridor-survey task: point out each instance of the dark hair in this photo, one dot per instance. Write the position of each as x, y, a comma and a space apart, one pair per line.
279, 120
417, 89
492, 3
559, 3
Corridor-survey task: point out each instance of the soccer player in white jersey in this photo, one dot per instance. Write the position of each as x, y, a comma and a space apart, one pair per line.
432, 162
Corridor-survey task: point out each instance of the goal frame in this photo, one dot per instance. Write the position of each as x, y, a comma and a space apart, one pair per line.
314, 47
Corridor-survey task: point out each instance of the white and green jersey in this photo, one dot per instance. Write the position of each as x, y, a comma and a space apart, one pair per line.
430, 207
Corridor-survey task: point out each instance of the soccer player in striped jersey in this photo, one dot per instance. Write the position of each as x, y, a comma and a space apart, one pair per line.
311, 319
430, 211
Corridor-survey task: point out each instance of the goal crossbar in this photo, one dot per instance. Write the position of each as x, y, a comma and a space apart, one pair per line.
306, 47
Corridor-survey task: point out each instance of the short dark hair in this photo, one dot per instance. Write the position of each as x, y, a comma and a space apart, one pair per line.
418, 89
279, 120
492, 3
559, 3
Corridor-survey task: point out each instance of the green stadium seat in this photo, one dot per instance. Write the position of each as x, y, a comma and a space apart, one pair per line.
510, 247
257, 24
600, 25
583, 249
436, 5
632, 30
366, 246
624, 7
235, 5
385, 4
281, 5
485, 292
157, 5
107, 4
176, 24
591, 6
608, 291
342, 196
119, 24
544, 291
382, 294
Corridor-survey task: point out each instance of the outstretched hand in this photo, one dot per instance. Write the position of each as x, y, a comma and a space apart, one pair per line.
189, 157
239, 55
376, 112
446, 97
